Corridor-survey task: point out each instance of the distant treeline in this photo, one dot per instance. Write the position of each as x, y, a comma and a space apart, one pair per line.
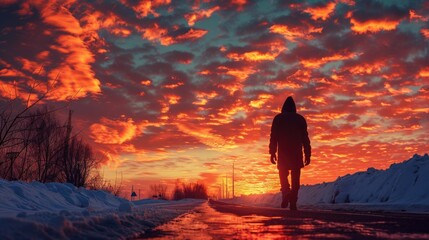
190, 190
36, 146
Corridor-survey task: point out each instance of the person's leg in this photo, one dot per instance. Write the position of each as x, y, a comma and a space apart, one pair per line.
285, 187
295, 176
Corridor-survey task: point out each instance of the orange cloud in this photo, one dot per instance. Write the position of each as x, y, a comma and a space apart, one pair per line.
192, 34
129, 148
10, 72
114, 131
253, 56
324, 117
240, 73
26, 88
10, 90
158, 34
262, 99
363, 103
365, 68
373, 25
394, 91
239, 3
91, 24
321, 12
191, 18
205, 135
271, 50
314, 63
285, 83
146, 7
121, 32
146, 82
415, 16
401, 128
75, 77
293, 33
319, 100
231, 112
369, 94
172, 99
165, 107
425, 32
30, 66
424, 72
61, 18
173, 85
348, 2
204, 97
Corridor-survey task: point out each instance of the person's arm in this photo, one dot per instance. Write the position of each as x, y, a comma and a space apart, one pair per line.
273, 141
306, 144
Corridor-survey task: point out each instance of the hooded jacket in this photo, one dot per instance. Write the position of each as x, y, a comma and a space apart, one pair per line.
289, 136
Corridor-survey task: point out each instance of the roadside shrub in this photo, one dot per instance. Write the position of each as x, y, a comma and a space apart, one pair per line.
190, 190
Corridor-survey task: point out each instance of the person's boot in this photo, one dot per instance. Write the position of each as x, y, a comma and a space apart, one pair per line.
293, 206
293, 199
285, 200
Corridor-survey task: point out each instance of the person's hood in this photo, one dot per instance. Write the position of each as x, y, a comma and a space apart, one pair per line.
289, 105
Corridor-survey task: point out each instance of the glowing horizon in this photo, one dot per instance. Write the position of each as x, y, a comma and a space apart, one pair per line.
169, 90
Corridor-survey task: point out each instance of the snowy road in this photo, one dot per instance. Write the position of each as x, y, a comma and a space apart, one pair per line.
217, 220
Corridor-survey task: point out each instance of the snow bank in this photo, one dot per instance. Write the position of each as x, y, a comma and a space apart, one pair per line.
62, 211
403, 186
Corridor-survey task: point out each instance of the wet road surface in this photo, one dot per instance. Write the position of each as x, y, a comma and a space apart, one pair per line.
216, 220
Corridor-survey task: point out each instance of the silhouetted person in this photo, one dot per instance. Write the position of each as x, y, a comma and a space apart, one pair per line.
289, 136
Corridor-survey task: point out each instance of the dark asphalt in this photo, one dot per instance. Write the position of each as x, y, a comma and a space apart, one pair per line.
218, 220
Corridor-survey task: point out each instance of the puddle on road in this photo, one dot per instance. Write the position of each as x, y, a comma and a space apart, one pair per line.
206, 223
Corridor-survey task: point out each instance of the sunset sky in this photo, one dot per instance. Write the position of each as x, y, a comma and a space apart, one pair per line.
173, 89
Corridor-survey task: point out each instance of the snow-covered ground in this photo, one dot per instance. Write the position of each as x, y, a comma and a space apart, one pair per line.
402, 187
62, 211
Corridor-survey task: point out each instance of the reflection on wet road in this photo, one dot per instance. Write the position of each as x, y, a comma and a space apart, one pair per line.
225, 221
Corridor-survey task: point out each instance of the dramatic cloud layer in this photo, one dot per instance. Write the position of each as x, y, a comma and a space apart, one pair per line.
181, 89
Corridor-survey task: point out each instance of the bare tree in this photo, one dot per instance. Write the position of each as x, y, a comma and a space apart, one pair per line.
47, 145
79, 162
190, 190
14, 110
14, 113
35, 145
25, 164
97, 182
178, 193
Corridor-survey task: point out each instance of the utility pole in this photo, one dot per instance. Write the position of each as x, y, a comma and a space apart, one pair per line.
219, 193
223, 187
221, 190
66, 144
233, 179
226, 180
